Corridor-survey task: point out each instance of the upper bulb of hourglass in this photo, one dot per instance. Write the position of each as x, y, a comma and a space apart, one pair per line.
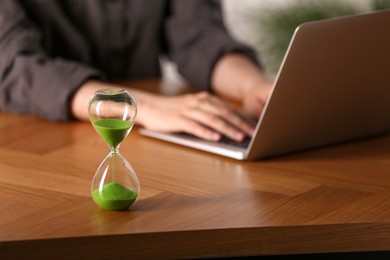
112, 113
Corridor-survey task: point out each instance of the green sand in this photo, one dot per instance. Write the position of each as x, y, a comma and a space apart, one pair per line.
113, 131
114, 196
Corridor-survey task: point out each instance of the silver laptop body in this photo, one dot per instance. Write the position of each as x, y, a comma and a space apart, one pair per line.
333, 86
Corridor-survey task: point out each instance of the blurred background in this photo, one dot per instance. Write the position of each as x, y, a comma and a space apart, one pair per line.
268, 25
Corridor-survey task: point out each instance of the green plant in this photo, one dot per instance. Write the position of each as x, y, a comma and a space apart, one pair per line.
276, 26
380, 4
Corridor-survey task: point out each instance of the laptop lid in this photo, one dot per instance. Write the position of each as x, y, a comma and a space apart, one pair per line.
333, 86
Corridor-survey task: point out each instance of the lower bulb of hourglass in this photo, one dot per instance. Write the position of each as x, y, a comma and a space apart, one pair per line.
115, 185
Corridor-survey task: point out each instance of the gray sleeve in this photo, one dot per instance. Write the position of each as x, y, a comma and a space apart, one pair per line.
31, 81
197, 38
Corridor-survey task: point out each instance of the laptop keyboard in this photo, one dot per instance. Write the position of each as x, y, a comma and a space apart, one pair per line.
243, 144
224, 140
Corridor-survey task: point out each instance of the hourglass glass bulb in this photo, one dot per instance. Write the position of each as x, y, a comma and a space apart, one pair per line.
112, 112
115, 185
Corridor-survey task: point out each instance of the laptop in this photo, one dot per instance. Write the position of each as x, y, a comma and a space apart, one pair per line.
333, 86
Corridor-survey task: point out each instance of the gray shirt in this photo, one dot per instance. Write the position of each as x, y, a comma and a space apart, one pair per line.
49, 48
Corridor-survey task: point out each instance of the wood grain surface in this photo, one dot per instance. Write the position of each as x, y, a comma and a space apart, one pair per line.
192, 204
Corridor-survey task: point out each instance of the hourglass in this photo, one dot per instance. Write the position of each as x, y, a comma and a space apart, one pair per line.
112, 113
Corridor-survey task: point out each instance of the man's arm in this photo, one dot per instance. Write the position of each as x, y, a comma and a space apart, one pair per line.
210, 59
30, 80
197, 40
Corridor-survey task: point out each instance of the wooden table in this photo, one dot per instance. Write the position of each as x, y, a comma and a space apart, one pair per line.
193, 204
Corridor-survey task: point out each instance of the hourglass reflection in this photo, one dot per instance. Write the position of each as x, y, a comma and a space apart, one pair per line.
112, 113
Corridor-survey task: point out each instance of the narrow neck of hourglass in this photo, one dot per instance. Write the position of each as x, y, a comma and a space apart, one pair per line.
114, 149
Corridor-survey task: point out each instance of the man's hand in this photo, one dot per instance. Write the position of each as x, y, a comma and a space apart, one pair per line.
236, 77
254, 99
202, 114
